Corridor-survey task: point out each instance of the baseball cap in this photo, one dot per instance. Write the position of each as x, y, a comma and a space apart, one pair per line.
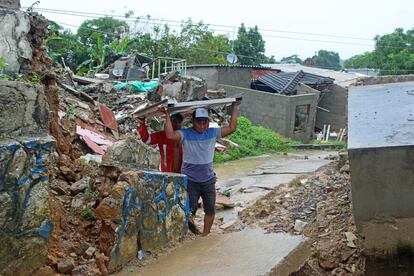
201, 113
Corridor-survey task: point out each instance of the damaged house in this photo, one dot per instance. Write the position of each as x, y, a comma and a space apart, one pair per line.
333, 101
286, 103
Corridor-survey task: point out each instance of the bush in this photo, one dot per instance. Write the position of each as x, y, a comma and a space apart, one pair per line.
252, 141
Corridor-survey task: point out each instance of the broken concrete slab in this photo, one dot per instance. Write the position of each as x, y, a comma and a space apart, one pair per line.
234, 254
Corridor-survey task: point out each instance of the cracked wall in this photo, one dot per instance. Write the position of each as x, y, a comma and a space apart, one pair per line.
14, 45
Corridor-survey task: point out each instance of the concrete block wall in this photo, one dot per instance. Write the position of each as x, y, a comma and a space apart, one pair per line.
382, 195
214, 75
234, 76
275, 111
209, 74
334, 99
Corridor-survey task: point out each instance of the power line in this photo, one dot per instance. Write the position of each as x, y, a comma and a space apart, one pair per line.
216, 30
96, 15
225, 53
80, 13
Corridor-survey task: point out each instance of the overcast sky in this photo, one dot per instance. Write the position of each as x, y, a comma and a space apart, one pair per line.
280, 22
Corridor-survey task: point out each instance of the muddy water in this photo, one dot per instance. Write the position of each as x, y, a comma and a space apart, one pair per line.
247, 179
241, 167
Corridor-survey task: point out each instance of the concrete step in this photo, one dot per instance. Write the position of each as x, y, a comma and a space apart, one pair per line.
248, 252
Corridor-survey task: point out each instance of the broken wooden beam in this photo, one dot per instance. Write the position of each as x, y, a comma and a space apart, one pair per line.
77, 93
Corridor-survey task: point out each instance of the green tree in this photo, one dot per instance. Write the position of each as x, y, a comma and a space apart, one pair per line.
250, 46
291, 59
327, 59
393, 54
365, 60
108, 27
61, 43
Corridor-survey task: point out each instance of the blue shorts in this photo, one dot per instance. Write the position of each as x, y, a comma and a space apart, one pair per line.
205, 190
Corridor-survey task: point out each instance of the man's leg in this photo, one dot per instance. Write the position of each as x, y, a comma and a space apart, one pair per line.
208, 222
208, 194
193, 195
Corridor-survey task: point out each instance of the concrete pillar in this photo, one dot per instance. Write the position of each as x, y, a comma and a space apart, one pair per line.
381, 156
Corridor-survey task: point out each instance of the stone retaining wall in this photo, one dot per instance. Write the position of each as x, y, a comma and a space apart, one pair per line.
24, 214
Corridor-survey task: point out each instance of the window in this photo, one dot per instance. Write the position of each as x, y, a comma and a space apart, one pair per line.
301, 117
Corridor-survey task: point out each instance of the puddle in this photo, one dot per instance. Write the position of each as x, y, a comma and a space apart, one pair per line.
240, 167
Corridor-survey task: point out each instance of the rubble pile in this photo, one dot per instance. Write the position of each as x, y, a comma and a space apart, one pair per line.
88, 200
318, 206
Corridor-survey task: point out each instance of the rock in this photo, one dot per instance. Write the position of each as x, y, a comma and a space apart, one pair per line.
61, 187
16, 167
78, 201
228, 225
109, 208
327, 262
225, 201
339, 272
80, 186
44, 271
101, 261
350, 238
92, 158
299, 225
68, 173
345, 168
119, 190
66, 266
6, 203
111, 172
82, 270
90, 252
14, 46
131, 154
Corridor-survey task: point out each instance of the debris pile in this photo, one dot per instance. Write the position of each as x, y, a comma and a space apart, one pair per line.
318, 206
102, 166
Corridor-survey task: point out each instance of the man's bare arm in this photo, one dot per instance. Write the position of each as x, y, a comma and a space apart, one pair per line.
168, 128
233, 121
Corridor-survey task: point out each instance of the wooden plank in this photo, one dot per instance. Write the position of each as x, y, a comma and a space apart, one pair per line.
85, 80
328, 133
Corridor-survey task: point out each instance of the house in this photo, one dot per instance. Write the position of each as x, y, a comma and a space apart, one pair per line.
235, 75
333, 102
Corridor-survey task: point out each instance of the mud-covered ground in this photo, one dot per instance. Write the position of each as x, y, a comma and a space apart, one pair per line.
322, 201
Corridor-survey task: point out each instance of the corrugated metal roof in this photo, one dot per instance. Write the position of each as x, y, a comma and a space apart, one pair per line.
232, 65
341, 78
286, 83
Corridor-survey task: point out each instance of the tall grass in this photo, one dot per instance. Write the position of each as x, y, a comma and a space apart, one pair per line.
252, 140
